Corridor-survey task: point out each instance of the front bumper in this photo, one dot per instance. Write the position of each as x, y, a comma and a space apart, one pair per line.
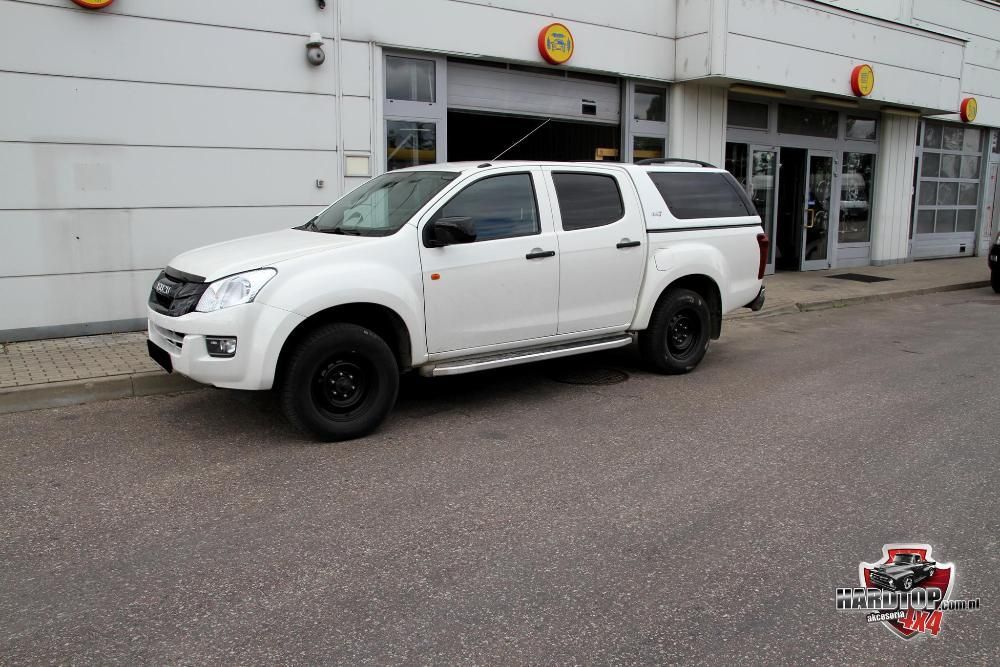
260, 331
994, 257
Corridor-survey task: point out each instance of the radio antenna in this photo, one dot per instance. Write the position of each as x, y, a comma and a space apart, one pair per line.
544, 123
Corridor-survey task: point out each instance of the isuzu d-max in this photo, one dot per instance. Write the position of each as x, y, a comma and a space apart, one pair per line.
454, 268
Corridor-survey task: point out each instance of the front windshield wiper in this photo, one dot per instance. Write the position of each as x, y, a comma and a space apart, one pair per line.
310, 226
345, 232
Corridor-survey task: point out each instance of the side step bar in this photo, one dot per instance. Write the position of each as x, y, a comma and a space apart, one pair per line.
472, 364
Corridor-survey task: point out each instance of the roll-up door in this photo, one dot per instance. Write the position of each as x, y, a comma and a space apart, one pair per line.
533, 91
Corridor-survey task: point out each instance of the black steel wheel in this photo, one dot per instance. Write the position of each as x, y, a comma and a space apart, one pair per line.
679, 332
340, 382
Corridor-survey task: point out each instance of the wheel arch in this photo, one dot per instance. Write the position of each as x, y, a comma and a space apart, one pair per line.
704, 285
380, 319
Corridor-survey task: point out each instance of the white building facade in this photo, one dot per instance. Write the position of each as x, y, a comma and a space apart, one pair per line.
136, 130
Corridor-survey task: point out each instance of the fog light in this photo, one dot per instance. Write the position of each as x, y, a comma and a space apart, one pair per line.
220, 347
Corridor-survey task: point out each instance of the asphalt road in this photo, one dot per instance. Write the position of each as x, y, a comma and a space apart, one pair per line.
509, 518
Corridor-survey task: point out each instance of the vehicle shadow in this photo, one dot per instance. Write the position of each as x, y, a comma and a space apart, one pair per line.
259, 413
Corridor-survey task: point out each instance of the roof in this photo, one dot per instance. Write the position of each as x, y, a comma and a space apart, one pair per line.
475, 165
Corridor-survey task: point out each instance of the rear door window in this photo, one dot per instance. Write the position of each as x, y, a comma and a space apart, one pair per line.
588, 200
702, 195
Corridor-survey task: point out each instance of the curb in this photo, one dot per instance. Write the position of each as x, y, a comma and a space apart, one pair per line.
77, 392
804, 307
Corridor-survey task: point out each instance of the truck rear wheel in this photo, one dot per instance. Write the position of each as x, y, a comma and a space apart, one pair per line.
340, 382
679, 332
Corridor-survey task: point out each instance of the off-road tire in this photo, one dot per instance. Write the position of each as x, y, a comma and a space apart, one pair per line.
995, 280
679, 332
340, 382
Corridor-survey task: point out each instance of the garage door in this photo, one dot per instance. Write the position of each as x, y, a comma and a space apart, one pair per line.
951, 165
533, 91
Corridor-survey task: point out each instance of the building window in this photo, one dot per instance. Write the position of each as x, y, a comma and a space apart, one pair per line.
950, 164
645, 148
410, 79
410, 143
860, 128
752, 115
856, 198
645, 108
736, 162
807, 121
650, 103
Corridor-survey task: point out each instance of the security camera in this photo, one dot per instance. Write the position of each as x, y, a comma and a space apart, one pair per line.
314, 49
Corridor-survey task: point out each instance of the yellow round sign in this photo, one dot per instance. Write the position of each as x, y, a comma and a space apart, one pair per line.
969, 109
863, 80
555, 43
93, 4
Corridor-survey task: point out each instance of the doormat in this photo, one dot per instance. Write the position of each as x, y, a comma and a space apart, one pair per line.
861, 278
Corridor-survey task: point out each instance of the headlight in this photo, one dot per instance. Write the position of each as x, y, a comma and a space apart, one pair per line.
996, 241
234, 290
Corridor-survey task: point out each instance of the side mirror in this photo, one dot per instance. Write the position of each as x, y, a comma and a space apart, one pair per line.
449, 231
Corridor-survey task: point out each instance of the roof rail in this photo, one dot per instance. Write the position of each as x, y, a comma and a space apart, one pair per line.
664, 160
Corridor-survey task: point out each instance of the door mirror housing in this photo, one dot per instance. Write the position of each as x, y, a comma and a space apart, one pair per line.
449, 231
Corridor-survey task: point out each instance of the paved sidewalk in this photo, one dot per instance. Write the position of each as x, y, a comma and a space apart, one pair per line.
814, 290
51, 373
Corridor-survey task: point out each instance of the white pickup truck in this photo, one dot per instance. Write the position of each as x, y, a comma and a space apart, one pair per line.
454, 268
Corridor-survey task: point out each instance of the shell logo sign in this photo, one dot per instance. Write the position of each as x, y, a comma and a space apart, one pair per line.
969, 109
93, 4
555, 43
863, 80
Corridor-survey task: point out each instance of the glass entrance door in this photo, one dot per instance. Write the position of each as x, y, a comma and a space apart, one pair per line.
763, 189
818, 214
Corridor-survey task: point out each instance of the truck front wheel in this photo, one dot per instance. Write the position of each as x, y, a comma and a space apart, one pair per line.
995, 279
678, 334
340, 382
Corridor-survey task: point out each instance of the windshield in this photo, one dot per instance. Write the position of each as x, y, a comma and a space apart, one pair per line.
903, 558
382, 205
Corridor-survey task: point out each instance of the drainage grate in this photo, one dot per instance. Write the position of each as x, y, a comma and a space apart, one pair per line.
590, 376
861, 277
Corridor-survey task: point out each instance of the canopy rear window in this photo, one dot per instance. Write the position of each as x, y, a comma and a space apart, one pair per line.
710, 194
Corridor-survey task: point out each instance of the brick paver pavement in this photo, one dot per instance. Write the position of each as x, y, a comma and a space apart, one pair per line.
85, 357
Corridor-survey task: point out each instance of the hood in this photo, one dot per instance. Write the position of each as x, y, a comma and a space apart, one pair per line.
895, 570
253, 252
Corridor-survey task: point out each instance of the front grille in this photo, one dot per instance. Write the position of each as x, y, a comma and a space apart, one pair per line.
882, 581
176, 293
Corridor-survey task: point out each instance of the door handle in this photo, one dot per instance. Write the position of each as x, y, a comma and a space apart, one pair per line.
625, 243
538, 253
811, 215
